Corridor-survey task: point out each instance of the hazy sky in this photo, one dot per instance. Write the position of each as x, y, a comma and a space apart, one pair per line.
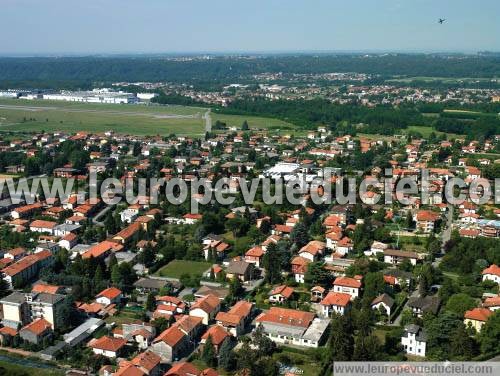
122, 26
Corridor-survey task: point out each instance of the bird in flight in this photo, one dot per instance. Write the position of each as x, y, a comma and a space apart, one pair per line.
441, 20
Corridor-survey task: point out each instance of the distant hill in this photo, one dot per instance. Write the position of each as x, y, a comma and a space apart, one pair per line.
82, 71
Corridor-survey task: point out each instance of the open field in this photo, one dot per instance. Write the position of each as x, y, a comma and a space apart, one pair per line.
126, 119
426, 131
253, 122
442, 79
35, 116
176, 268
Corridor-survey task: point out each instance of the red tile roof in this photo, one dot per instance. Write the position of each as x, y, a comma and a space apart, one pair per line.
283, 290
286, 316
492, 302
171, 336
347, 282
43, 224
217, 333
26, 262
108, 343
492, 269
48, 289
336, 298
147, 360
38, 326
256, 251
110, 293
478, 314
101, 249
207, 304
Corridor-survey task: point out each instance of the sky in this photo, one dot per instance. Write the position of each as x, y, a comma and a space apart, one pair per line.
47, 27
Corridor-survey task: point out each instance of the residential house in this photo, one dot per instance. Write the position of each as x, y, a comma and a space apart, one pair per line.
171, 344
396, 256
36, 331
337, 302
477, 317
312, 250
240, 269
288, 326
109, 347
414, 340
206, 308
255, 255
280, 294
299, 268
347, 285
426, 220
317, 294
217, 335
383, 303
421, 305
109, 296
492, 273
237, 318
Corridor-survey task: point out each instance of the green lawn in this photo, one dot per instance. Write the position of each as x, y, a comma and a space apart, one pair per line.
176, 268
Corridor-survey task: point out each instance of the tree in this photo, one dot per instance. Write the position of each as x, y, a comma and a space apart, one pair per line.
366, 348
264, 345
316, 274
227, 358
4, 287
374, 286
341, 341
150, 302
235, 287
462, 345
459, 303
208, 353
271, 262
299, 235
244, 126
489, 337
440, 330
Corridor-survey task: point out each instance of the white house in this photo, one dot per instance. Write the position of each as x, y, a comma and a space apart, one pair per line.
206, 308
347, 285
492, 273
414, 340
335, 302
384, 302
111, 295
107, 346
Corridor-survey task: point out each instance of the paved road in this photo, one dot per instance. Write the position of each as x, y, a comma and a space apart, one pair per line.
446, 235
208, 121
102, 213
157, 115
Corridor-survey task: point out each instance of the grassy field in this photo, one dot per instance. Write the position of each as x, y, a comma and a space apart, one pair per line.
125, 316
35, 116
176, 268
426, 131
253, 122
16, 115
434, 79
